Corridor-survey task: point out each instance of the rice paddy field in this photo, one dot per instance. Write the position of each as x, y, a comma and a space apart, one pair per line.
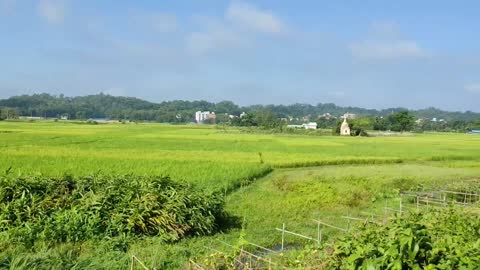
267, 180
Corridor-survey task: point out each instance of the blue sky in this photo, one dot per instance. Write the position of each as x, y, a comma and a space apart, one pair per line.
374, 54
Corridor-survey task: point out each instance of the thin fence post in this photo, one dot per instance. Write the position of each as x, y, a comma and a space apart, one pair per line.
132, 266
250, 261
418, 202
240, 258
283, 236
319, 234
386, 207
348, 224
134, 258
401, 205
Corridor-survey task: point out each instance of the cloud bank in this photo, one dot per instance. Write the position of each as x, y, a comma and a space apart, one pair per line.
237, 29
386, 43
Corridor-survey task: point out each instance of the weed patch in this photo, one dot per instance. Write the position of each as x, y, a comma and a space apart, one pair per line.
72, 210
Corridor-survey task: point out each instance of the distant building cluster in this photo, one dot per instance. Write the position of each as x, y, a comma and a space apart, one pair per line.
327, 116
311, 125
434, 119
202, 116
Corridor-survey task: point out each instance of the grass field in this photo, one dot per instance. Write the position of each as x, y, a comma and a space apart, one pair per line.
313, 176
203, 153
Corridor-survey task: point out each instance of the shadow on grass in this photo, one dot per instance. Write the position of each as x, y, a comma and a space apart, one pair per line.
228, 222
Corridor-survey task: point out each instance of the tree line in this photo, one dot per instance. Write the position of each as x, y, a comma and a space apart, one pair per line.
266, 116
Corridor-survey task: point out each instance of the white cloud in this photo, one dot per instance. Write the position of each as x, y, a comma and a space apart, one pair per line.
238, 28
247, 16
53, 11
164, 23
214, 39
387, 50
473, 88
385, 44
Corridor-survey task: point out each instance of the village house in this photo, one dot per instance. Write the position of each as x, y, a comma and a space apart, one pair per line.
311, 125
202, 116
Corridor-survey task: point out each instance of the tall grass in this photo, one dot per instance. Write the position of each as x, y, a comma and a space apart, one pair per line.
205, 155
99, 207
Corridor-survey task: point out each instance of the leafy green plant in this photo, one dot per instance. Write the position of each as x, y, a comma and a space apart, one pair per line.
437, 239
73, 210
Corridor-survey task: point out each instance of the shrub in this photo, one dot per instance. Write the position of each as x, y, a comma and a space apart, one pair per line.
438, 239
71, 210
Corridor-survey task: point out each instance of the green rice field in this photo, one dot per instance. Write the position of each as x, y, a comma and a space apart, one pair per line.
267, 179
203, 153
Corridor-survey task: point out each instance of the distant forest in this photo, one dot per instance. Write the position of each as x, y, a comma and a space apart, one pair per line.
180, 111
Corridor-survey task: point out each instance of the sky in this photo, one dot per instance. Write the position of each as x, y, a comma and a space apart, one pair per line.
372, 54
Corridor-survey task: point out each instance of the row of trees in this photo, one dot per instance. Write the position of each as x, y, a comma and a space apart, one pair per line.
101, 105
400, 121
403, 121
8, 113
266, 116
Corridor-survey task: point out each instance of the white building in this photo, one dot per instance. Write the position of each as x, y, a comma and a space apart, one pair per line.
31, 118
311, 125
294, 126
202, 116
419, 121
345, 128
327, 116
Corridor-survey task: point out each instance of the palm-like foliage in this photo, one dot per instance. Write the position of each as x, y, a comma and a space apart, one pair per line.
72, 210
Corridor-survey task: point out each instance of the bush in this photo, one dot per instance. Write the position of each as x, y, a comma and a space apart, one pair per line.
439, 239
96, 207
